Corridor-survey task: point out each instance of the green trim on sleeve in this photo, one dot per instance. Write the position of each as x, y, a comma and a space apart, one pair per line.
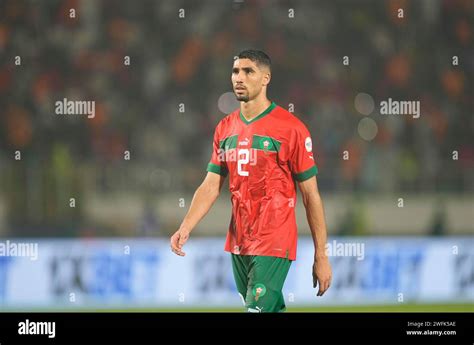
217, 169
302, 176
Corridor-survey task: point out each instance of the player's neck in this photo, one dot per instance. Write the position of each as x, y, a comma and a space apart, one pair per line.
252, 109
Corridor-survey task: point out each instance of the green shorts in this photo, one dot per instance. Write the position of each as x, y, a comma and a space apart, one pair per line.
260, 281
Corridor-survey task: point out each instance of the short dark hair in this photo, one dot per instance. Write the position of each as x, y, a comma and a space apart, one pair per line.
258, 56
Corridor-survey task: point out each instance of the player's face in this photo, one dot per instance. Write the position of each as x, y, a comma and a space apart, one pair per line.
248, 79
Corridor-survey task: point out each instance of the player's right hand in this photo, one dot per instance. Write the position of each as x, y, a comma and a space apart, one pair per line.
178, 239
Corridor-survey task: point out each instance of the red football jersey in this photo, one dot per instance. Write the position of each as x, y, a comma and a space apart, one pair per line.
263, 158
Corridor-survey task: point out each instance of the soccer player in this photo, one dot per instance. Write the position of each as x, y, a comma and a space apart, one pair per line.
266, 151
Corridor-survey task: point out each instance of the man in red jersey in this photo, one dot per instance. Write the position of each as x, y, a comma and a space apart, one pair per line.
266, 151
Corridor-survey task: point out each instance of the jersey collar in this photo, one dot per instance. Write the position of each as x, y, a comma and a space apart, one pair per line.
265, 112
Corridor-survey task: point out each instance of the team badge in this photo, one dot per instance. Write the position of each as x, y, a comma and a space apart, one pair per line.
259, 290
266, 144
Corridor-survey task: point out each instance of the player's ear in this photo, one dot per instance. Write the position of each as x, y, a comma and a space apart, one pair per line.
266, 78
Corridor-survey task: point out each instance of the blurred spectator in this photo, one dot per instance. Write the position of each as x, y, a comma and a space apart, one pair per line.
156, 79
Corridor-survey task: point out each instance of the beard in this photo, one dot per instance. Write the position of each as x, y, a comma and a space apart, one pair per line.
242, 98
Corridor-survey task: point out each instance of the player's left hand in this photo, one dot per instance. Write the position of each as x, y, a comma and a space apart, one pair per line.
178, 240
322, 274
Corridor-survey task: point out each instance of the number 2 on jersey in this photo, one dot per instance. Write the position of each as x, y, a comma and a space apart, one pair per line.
244, 160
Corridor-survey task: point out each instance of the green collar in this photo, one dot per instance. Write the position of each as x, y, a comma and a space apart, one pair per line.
265, 112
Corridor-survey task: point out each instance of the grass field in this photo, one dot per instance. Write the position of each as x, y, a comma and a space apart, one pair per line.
315, 309
374, 308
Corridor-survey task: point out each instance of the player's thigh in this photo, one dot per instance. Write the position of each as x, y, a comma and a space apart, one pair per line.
240, 268
267, 276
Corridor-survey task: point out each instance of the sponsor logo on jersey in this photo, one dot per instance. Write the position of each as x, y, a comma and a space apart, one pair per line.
244, 142
256, 310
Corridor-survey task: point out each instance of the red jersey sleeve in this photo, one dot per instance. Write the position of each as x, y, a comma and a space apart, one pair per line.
302, 163
217, 163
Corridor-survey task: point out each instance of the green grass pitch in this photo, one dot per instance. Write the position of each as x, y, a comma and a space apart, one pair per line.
466, 307
325, 309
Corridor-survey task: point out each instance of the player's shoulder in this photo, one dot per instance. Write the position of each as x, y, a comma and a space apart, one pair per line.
290, 120
227, 120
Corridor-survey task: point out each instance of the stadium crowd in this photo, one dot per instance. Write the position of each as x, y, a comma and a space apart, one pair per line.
142, 63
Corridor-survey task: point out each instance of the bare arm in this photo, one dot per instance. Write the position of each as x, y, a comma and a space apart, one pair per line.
202, 202
315, 214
